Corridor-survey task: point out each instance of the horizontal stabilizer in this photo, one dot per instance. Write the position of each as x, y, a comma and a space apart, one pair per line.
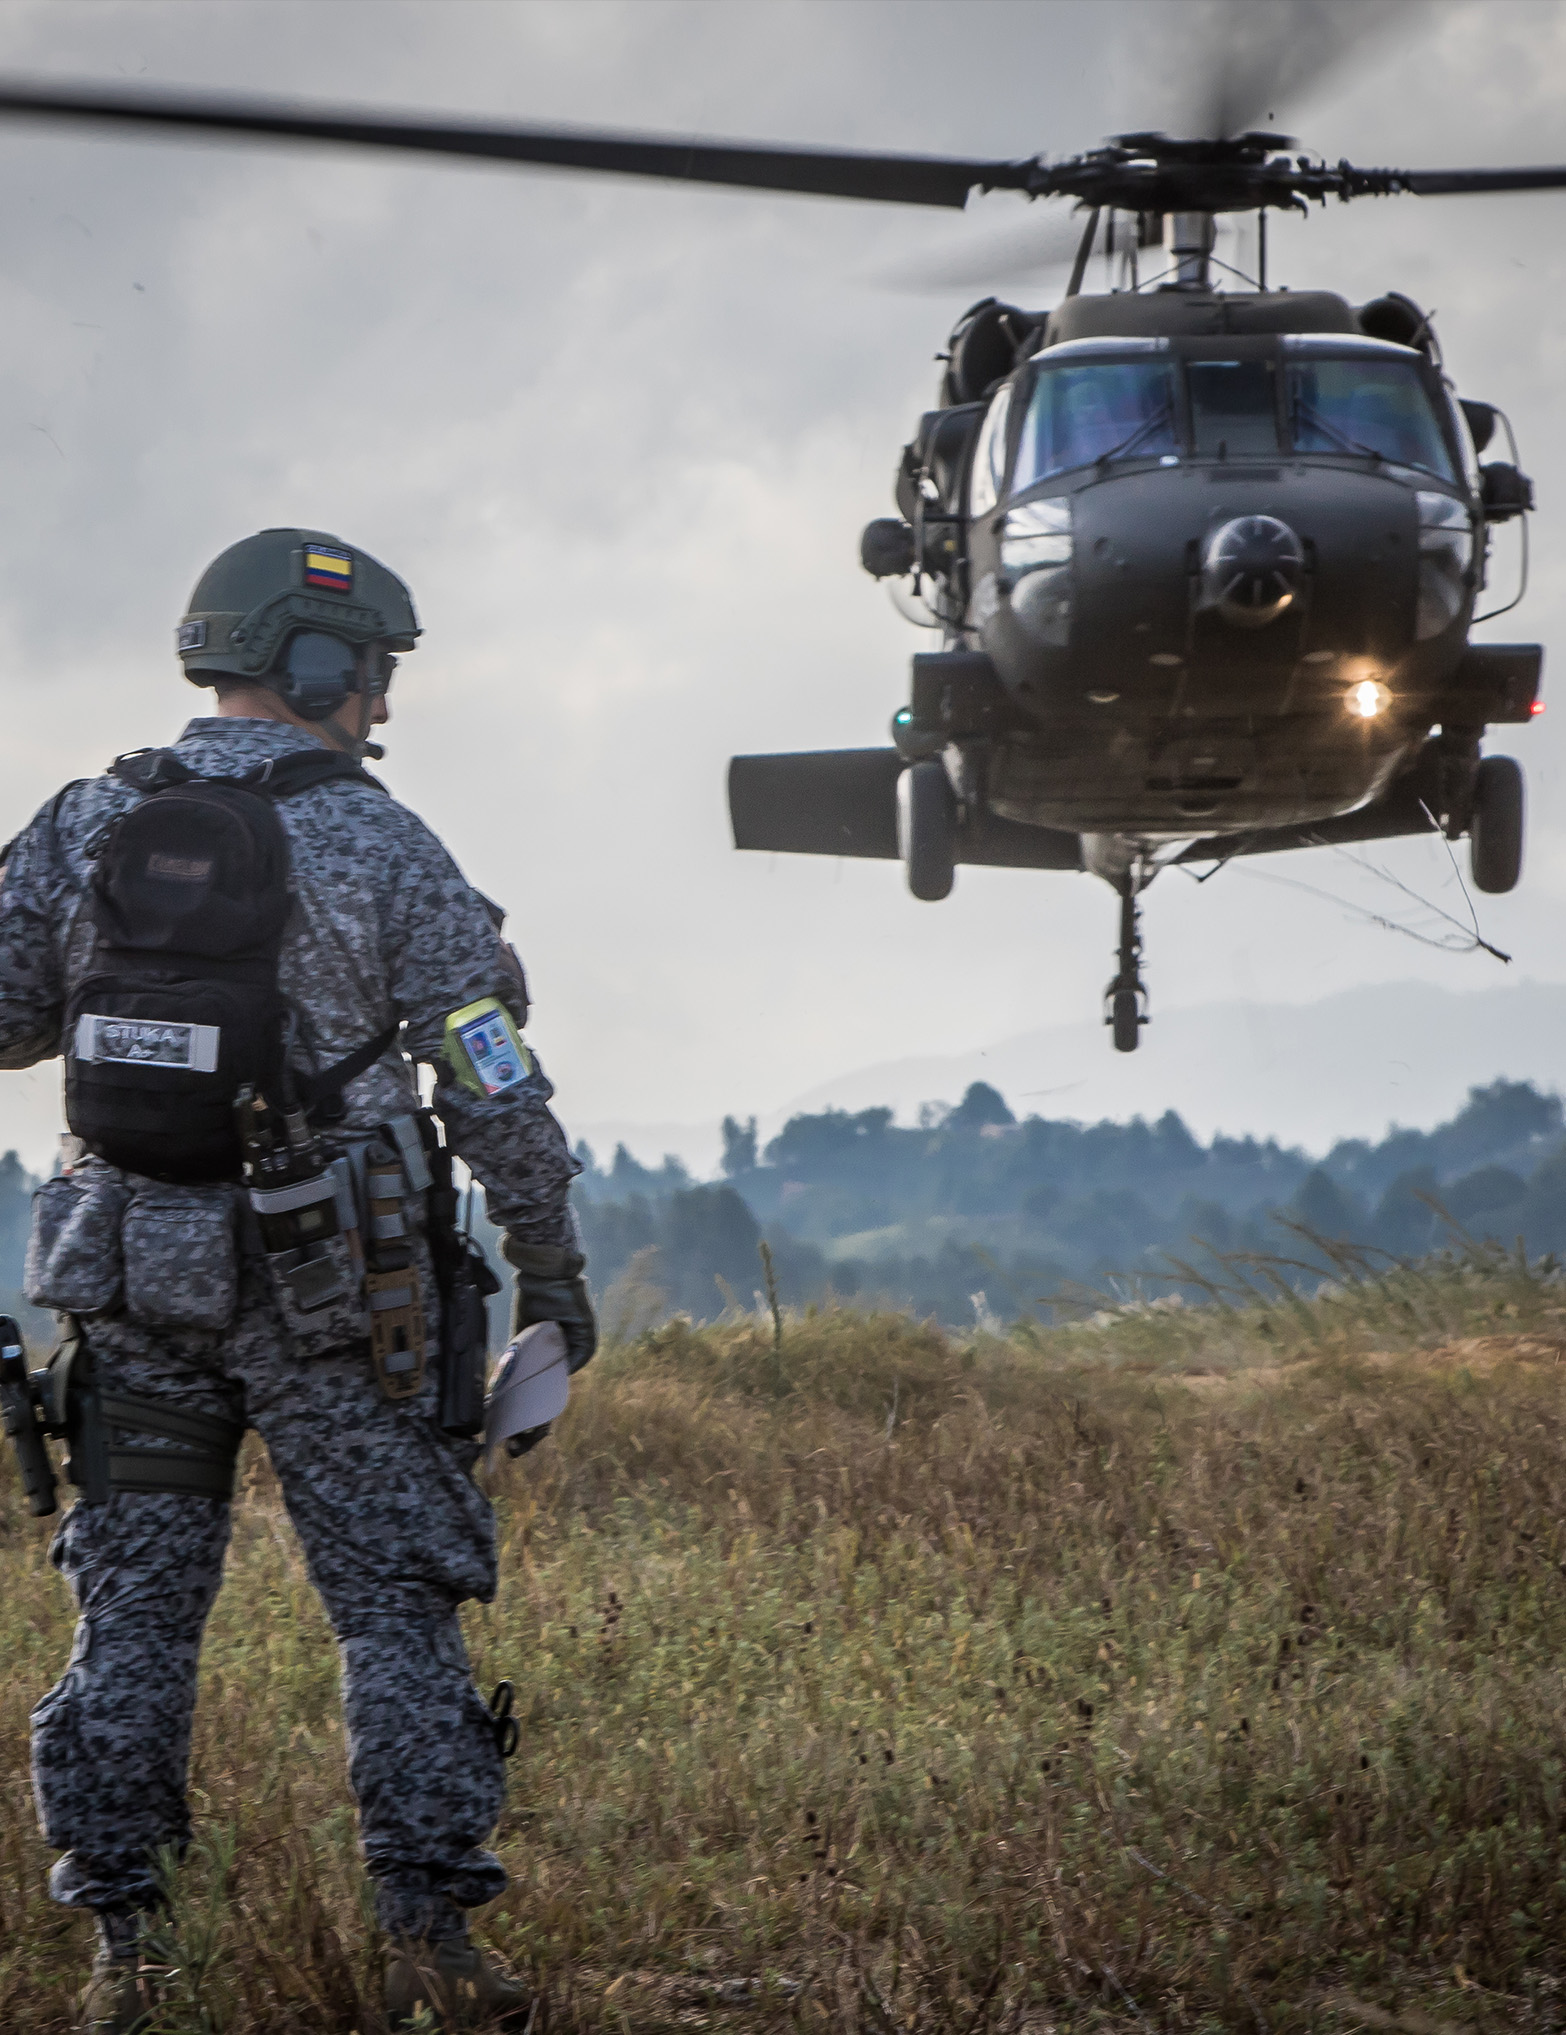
818, 802
1494, 682
844, 802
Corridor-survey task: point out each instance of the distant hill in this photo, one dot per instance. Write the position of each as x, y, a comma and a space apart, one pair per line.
1306, 1074
974, 1211
977, 1210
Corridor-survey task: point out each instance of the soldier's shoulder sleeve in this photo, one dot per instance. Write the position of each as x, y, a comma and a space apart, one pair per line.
42, 878
442, 943
448, 953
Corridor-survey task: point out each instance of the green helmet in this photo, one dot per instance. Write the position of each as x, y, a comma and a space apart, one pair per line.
253, 597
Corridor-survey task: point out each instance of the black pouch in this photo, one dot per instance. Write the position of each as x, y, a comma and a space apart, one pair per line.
153, 1063
464, 1339
465, 1281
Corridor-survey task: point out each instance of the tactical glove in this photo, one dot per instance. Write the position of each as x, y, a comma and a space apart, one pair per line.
550, 1287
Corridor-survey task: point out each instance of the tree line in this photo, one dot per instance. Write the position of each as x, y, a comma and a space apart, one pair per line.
971, 1212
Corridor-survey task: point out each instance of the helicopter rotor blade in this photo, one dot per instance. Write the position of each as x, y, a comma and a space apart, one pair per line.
818, 172
1455, 183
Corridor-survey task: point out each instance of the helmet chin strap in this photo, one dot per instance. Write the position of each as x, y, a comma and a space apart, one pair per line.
358, 746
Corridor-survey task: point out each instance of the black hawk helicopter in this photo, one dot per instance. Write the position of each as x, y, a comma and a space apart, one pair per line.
1204, 561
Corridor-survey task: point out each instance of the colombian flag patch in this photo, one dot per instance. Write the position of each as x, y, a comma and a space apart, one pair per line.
326, 568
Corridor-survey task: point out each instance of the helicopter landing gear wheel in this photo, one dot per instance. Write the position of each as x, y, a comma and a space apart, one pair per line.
1495, 833
927, 829
1125, 1000
1124, 1019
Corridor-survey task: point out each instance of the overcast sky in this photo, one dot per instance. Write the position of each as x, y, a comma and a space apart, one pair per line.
620, 439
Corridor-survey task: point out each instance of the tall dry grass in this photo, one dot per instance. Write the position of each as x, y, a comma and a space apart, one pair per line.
1188, 1669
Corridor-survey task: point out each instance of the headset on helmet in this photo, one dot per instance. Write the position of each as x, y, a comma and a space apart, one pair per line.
295, 610
316, 672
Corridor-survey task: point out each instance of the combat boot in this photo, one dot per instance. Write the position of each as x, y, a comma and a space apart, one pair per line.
457, 1982
120, 1997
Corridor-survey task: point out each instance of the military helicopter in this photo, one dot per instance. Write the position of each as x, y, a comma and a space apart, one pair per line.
1203, 561
1204, 564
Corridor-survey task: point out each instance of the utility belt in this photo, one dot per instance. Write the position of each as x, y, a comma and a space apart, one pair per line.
345, 1264
343, 1260
340, 1251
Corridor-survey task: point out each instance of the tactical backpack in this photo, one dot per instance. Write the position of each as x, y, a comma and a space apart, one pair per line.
180, 1006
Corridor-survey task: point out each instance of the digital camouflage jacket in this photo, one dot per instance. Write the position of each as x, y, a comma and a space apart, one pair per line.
385, 928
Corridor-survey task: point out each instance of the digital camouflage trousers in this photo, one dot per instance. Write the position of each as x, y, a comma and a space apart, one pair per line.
395, 1537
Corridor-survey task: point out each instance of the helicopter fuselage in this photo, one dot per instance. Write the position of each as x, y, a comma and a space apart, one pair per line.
1154, 713
1239, 622
1204, 569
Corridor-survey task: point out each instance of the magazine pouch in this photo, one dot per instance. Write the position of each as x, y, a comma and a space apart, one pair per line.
320, 1295
74, 1262
181, 1257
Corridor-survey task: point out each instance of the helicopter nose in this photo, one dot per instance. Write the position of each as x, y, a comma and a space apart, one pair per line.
1253, 569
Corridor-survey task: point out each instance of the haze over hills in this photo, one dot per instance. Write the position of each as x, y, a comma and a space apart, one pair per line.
1062, 1165
1305, 1074
1308, 1074
972, 1210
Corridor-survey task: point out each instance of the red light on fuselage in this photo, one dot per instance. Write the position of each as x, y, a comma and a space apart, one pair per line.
1537, 707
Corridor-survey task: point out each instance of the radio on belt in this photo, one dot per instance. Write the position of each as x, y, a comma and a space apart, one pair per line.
485, 1049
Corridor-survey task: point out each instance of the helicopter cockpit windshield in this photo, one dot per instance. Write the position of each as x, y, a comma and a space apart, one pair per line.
1085, 411
1360, 404
1360, 399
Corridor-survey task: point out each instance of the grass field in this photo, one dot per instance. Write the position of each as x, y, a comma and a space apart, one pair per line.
1186, 1669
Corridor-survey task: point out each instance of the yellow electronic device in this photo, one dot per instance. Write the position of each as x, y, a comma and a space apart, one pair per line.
485, 1049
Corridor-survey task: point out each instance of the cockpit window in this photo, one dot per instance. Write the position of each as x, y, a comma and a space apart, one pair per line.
989, 456
1105, 409
1234, 409
1368, 407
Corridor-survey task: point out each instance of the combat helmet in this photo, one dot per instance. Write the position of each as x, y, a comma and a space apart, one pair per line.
260, 592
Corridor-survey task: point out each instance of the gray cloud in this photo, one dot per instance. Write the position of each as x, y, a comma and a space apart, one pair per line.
621, 440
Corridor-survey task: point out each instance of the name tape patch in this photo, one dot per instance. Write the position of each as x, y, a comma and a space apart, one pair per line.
146, 1042
179, 868
191, 636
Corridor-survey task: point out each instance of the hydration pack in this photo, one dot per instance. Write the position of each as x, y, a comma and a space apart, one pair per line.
180, 1006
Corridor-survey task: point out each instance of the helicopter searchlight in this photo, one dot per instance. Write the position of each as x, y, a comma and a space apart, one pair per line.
1368, 698
1202, 561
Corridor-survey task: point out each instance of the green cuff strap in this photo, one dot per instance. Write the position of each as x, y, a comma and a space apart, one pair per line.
540, 1262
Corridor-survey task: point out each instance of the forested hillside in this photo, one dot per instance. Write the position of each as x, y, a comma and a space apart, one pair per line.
972, 1210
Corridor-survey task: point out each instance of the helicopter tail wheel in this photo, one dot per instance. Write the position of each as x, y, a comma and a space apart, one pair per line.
1125, 1000
1495, 833
927, 829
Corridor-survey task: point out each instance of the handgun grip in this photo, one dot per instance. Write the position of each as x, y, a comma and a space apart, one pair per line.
19, 1409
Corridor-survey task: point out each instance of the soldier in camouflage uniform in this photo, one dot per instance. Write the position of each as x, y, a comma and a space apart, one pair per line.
386, 931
